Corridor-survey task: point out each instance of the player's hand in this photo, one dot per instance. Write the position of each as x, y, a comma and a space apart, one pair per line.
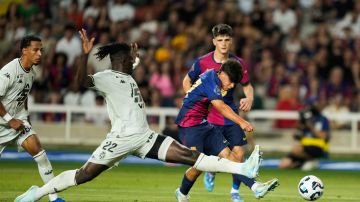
86, 44
134, 50
16, 124
245, 104
246, 126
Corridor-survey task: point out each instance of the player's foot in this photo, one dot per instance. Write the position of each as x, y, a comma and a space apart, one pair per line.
264, 188
235, 197
28, 196
181, 197
252, 164
58, 200
209, 181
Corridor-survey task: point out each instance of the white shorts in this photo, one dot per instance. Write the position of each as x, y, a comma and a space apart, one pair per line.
9, 135
113, 148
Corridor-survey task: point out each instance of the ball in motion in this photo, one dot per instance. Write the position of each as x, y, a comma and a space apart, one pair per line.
310, 188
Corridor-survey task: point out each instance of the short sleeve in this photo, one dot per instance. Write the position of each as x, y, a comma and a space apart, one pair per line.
5, 82
101, 82
195, 71
211, 85
245, 78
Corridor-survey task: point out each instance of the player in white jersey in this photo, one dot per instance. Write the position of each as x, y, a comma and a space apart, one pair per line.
130, 133
16, 79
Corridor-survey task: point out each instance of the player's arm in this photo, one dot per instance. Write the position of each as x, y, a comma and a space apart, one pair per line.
191, 76
81, 76
227, 112
13, 123
317, 133
5, 82
246, 103
187, 82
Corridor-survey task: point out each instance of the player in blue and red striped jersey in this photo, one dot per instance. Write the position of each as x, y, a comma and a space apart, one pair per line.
196, 132
222, 40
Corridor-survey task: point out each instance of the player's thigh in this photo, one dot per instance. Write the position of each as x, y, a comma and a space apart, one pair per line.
195, 137
215, 143
113, 149
28, 140
7, 136
156, 147
239, 153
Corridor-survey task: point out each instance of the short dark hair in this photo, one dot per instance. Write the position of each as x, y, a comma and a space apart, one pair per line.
222, 29
26, 41
233, 69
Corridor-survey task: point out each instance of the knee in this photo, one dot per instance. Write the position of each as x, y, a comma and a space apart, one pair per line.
238, 153
192, 174
83, 175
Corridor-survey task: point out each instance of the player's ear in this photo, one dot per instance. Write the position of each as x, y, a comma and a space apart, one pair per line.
24, 51
214, 41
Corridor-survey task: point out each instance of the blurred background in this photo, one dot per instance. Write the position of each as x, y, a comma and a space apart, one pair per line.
295, 49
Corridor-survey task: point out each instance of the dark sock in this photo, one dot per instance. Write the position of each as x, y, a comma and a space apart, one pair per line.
237, 179
186, 185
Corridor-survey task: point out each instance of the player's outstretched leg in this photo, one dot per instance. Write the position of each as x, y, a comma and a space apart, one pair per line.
28, 196
261, 189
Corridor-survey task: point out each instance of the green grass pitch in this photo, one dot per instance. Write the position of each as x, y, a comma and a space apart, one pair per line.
156, 183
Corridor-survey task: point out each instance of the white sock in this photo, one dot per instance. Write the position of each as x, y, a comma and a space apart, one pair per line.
59, 183
45, 170
255, 186
234, 191
218, 164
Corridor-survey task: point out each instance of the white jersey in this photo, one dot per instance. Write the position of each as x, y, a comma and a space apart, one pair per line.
125, 105
15, 85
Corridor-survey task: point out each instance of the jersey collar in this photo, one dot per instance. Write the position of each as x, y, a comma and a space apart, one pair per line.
26, 71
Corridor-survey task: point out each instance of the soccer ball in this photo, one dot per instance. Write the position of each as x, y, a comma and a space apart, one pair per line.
311, 188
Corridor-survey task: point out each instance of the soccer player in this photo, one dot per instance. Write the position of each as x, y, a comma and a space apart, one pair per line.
130, 133
16, 80
222, 40
198, 134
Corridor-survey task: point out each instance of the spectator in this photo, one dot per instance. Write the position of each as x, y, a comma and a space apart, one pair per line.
313, 135
284, 17
337, 107
98, 118
288, 101
69, 44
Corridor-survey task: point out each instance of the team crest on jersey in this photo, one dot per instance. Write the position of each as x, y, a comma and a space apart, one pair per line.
217, 90
102, 155
20, 78
7, 75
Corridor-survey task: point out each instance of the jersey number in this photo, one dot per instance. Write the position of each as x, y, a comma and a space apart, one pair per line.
109, 146
22, 95
135, 93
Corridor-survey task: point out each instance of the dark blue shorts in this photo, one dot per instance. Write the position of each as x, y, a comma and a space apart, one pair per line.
204, 138
234, 134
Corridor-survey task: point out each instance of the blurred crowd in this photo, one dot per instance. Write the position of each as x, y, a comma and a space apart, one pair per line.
295, 49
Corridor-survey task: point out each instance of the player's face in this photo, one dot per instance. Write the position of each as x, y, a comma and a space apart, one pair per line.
226, 83
222, 44
34, 52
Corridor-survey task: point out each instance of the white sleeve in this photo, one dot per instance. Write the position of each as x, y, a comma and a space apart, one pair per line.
101, 82
5, 82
